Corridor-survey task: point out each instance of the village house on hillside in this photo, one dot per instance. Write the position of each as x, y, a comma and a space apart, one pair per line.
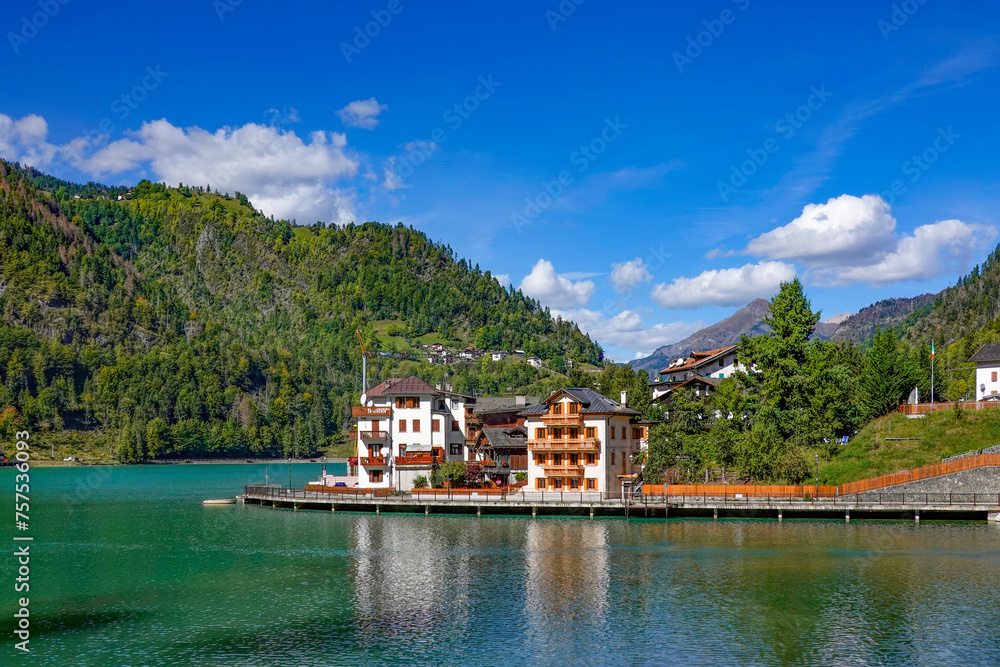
701, 372
580, 440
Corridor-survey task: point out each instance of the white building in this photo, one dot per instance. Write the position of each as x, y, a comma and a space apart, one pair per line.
987, 360
715, 364
405, 427
535, 362
580, 440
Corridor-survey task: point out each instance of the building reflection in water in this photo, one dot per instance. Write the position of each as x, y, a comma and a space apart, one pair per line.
567, 578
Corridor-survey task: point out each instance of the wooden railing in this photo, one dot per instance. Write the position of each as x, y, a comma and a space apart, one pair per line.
927, 408
562, 419
374, 435
373, 461
740, 490
935, 470
566, 444
418, 459
362, 411
563, 470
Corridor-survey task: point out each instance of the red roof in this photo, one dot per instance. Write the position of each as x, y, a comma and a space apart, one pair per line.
410, 385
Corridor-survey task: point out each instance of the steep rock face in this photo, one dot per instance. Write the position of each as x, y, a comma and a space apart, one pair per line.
886, 314
748, 320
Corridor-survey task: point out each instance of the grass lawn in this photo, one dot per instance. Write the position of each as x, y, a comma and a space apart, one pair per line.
872, 452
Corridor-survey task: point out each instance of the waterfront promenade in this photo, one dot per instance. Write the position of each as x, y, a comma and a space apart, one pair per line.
877, 505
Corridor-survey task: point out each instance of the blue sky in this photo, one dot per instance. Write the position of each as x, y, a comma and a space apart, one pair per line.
641, 168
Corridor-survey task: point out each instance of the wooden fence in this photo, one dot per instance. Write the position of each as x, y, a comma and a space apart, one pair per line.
935, 470
749, 490
911, 409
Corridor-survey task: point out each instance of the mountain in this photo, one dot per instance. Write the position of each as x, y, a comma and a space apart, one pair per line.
748, 320
960, 311
181, 322
886, 314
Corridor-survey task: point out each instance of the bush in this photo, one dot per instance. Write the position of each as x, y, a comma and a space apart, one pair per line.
420, 482
520, 476
453, 472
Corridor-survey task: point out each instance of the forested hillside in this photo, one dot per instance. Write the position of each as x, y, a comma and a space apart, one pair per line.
179, 322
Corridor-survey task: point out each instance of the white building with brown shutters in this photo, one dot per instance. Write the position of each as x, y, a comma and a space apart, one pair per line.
405, 426
580, 440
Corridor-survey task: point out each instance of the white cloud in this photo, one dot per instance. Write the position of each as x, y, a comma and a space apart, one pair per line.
362, 113
626, 276
392, 180
854, 240
724, 287
626, 331
502, 278
281, 173
24, 140
845, 230
934, 249
553, 290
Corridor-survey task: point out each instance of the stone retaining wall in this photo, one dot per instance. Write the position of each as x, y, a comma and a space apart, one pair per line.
978, 480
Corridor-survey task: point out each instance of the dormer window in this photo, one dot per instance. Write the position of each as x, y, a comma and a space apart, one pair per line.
557, 408
574, 408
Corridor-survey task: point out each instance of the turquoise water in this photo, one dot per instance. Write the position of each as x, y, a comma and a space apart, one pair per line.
129, 569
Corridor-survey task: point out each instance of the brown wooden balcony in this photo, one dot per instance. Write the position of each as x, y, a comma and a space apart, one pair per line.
373, 461
362, 411
562, 420
563, 470
417, 459
565, 444
373, 435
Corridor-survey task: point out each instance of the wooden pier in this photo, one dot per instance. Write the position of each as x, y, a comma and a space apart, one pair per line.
915, 507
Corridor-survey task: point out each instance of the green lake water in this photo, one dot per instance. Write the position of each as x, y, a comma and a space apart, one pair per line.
128, 568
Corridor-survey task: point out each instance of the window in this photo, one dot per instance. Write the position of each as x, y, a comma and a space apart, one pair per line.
574, 408
402, 426
611, 432
623, 432
539, 459
636, 433
574, 434
455, 427
375, 476
574, 484
994, 378
557, 483
540, 433
612, 458
540, 483
557, 434
722, 363
435, 425
557, 459
400, 402
574, 459
591, 484
416, 426
455, 449
557, 408
412, 402
590, 432
589, 459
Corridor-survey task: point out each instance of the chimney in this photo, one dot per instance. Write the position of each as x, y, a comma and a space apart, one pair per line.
520, 401
624, 400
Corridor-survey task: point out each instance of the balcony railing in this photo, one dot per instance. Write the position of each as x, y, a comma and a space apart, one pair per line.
374, 435
361, 411
372, 461
563, 470
565, 444
562, 419
417, 460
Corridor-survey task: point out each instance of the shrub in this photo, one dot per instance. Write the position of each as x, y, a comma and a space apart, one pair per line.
520, 476
420, 482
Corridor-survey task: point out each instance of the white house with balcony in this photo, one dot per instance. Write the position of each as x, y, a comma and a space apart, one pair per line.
987, 360
580, 440
404, 427
712, 365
